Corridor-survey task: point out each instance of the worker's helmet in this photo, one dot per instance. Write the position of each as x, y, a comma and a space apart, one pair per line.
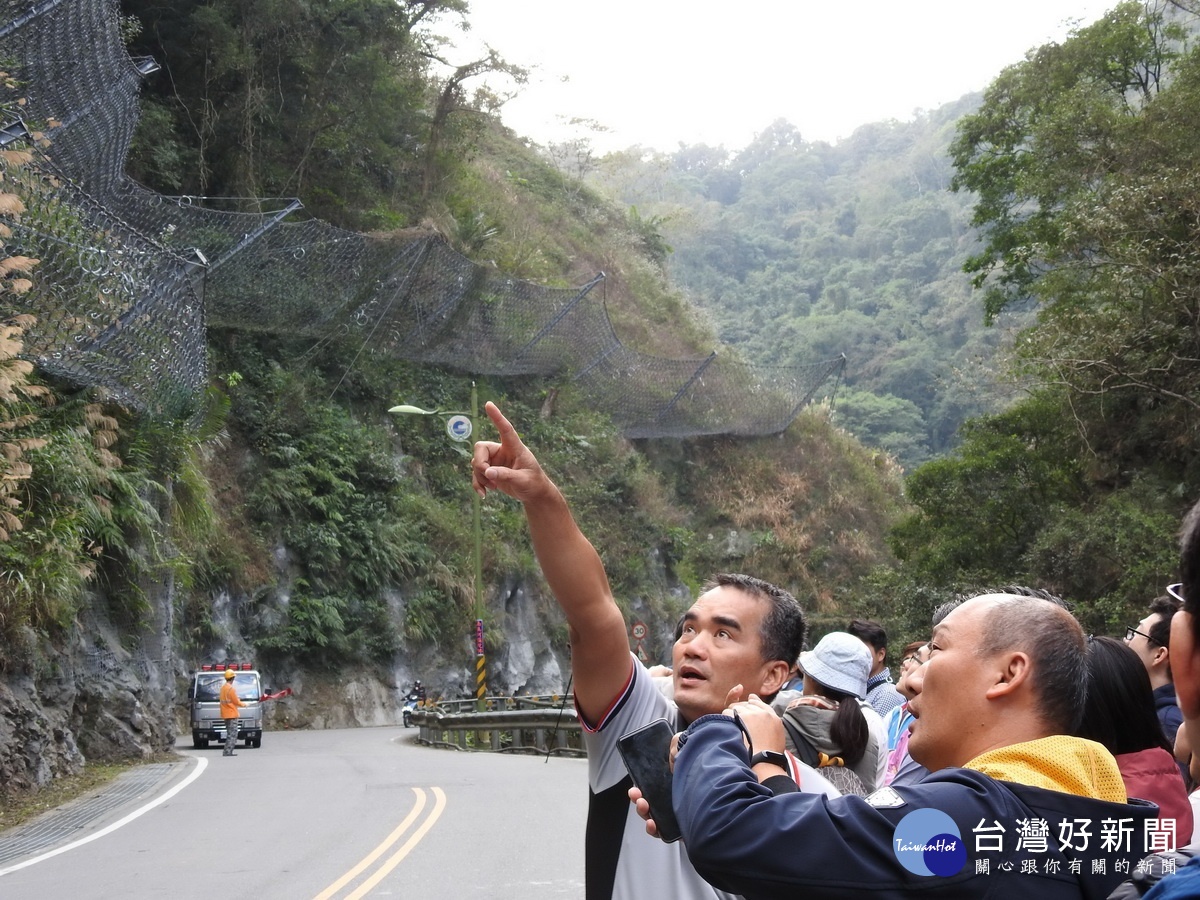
229, 674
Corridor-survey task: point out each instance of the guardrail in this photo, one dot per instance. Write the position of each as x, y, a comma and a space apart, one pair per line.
497, 704
532, 725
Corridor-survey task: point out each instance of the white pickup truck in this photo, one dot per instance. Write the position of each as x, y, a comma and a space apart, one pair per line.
204, 698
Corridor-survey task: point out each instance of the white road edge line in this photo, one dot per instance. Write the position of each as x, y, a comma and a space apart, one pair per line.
201, 765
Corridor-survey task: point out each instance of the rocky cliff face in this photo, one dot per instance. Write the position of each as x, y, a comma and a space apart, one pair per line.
88, 697
105, 692
101, 692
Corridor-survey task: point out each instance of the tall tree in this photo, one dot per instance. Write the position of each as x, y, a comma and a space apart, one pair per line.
1084, 160
323, 100
453, 99
1051, 133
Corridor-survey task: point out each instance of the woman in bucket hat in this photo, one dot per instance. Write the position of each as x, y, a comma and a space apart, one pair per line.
828, 715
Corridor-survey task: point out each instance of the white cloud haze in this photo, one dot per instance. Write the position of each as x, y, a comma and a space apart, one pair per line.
661, 72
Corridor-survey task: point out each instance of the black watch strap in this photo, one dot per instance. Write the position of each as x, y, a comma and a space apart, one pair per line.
774, 757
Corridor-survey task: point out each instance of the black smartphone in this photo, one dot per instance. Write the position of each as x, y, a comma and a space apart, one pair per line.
646, 752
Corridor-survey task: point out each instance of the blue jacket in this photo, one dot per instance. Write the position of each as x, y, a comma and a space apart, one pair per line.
744, 839
1183, 885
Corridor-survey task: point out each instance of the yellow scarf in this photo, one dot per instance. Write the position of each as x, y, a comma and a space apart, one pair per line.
1058, 763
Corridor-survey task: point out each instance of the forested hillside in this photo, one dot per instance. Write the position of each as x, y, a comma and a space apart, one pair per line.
1083, 158
282, 514
265, 98
286, 515
1060, 208
803, 250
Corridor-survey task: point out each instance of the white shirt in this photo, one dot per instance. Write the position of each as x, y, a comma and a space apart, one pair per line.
647, 868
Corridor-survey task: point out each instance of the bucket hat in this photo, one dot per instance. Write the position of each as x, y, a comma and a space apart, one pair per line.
839, 661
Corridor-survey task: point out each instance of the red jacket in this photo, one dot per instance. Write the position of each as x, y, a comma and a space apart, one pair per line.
1152, 775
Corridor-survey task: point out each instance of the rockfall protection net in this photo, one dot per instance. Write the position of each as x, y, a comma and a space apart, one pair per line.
129, 279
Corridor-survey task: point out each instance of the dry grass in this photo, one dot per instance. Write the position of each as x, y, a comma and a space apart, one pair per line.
817, 504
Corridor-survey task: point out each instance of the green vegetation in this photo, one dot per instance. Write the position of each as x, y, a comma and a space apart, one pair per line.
1073, 212
283, 98
800, 251
1083, 159
84, 492
348, 532
345, 534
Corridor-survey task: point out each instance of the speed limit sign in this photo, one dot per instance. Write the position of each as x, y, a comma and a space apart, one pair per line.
638, 630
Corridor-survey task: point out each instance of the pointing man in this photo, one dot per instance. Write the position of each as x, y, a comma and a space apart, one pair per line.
739, 637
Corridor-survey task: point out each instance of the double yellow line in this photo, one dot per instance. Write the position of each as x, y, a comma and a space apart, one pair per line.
439, 804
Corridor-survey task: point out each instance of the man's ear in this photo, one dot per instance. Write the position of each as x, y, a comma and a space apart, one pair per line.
774, 677
1162, 656
1185, 664
1010, 676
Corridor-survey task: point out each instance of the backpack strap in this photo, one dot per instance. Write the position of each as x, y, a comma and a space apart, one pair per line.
801, 746
804, 750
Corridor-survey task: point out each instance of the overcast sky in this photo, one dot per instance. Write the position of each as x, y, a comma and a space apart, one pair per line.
661, 72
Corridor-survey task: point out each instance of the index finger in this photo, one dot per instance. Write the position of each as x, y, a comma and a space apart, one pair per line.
502, 424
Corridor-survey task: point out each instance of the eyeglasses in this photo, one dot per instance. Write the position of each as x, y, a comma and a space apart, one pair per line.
1130, 632
913, 657
1173, 590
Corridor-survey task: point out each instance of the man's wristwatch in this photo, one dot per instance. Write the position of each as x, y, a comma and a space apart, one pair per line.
774, 757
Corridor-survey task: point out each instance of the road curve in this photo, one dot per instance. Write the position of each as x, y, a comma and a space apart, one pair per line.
331, 815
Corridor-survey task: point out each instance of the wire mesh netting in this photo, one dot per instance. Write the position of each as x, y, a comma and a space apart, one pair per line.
128, 280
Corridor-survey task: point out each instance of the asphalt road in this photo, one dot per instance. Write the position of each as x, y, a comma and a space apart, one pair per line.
334, 815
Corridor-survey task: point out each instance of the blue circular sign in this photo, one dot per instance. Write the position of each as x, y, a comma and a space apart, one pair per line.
458, 427
927, 842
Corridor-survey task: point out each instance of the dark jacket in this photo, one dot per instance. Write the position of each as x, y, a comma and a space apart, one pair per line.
744, 839
1183, 884
1169, 715
1179, 869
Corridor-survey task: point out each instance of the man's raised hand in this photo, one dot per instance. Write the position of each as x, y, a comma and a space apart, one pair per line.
507, 466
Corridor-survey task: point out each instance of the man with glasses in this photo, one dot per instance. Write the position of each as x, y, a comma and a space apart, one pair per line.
995, 708
1183, 880
902, 768
1150, 640
911, 656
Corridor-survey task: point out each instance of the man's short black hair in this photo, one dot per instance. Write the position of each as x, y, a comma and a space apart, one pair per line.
783, 627
868, 632
1160, 632
1041, 625
944, 609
